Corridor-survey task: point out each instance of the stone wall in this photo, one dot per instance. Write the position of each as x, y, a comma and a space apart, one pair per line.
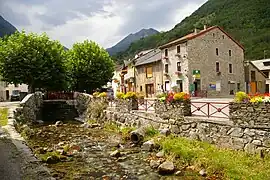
250, 114
223, 133
176, 110
30, 108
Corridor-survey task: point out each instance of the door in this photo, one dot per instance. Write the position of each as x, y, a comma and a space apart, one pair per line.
253, 87
179, 85
267, 88
7, 94
149, 90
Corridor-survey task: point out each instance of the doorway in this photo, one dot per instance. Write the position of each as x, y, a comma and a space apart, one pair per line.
7, 94
149, 90
179, 85
197, 87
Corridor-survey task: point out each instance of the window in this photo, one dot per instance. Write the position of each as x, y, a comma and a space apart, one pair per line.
217, 67
223, 36
213, 34
230, 69
166, 52
267, 88
179, 85
217, 51
253, 76
16, 85
166, 68
149, 72
140, 88
230, 52
178, 49
179, 66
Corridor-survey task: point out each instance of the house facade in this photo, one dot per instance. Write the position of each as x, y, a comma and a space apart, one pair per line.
264, 66
148, 73
6, 90
255, 79
207, 61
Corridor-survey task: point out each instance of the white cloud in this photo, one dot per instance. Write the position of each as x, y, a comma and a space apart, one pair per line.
104, 21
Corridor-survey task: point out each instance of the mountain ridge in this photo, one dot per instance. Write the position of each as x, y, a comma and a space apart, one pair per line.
6, 28
128, 40
247, 21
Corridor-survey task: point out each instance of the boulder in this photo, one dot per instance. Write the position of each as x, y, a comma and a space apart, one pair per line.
154, 164
52, 160
203, 172
165, 131
166, 168
148, 145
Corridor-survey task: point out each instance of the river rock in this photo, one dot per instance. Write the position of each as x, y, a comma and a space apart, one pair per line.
52, 160
115, 153
58, 123
154, 164
166, 168
148, 145
160, 154
165, 131
203, 172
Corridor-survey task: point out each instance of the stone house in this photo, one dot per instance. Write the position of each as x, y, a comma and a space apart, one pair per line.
6, 90
148, 73
264, 66
254, 78
207, 61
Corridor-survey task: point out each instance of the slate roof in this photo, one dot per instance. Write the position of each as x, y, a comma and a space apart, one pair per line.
259, 64
150, 57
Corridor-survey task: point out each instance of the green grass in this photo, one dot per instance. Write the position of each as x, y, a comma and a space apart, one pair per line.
231, 164
3, 116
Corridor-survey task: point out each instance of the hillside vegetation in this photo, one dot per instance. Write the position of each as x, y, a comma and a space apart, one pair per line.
246, 20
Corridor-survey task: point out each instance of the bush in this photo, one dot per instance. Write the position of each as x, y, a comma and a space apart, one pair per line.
162, 97
130, 95
140, 95
241, 97
96, 94
120, 95
103, 94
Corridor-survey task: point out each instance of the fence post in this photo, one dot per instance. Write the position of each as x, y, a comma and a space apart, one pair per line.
208, 109
146, 105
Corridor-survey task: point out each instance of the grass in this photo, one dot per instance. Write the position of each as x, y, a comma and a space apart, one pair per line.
231, 164
3, 116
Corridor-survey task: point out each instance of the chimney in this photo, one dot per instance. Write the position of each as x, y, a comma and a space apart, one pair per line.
195, 31
204, 27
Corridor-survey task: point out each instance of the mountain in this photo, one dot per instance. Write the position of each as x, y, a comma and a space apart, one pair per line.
126, 42
246, 20
6, 28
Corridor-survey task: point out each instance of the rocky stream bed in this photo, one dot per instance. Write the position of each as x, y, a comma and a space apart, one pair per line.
72, 151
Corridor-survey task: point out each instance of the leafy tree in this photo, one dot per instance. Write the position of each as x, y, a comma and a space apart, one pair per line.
34, 60
90, 66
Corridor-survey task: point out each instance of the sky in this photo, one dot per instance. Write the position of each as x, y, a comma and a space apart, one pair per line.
103, 21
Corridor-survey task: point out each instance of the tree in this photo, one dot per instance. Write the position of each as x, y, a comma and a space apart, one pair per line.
90, 66
34, 60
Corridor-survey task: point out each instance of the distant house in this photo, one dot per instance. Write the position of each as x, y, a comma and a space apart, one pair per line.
6, 90
148, 73
207, 60
255, 79
264, 66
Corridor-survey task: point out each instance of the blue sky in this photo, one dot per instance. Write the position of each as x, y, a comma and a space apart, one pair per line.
103, 21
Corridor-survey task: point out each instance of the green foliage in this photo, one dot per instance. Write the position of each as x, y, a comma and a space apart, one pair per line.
246, 20
90, 66
232, 164
112, 127
150, 132
241, 97
54, 155
125, 132
34, 60
3, 116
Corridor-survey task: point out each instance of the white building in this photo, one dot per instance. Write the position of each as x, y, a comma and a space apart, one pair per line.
6, 90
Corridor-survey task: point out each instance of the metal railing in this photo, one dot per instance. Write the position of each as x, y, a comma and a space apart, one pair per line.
58, 96
210, 109
146, 104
